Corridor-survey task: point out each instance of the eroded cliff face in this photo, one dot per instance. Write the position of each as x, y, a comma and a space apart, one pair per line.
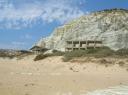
110, 26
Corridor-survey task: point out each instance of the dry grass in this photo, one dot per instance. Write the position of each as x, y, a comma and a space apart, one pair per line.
121, 63
97, 53
43, 56
14, 54
82, 56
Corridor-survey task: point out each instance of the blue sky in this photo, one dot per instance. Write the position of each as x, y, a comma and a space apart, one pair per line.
24, 22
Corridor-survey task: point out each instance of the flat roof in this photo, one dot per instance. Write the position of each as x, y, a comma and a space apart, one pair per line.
84, 41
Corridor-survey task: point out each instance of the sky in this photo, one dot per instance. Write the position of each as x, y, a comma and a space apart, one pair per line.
24, 22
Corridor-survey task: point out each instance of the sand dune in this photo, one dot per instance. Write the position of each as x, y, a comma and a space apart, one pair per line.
51, 76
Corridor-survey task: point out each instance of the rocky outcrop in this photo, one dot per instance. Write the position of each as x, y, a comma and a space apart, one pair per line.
110, 26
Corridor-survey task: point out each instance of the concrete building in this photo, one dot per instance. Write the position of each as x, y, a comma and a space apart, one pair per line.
82, 45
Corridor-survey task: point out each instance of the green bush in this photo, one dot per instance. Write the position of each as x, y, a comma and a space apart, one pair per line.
122, 52
43, 56
57, 53
69, 55
104, 52
99, 52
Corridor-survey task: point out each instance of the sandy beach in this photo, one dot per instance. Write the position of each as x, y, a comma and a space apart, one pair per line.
52, 76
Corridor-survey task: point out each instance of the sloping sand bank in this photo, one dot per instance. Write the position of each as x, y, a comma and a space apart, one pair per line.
51, 76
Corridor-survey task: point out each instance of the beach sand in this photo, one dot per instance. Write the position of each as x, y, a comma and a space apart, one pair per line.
52, 76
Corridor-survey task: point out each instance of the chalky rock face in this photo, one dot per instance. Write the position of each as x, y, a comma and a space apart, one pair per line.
110, 26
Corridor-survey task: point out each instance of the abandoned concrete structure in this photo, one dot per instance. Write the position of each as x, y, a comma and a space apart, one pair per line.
82, 45
38, 50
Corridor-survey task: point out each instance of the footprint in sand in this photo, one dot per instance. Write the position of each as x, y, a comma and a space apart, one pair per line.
0, 84
31, 84
27, 94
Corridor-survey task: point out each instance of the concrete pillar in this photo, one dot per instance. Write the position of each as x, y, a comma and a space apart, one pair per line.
79, 45
94, 44
86, 44
72, 46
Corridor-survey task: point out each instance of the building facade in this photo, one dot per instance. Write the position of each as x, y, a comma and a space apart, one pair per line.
82, 45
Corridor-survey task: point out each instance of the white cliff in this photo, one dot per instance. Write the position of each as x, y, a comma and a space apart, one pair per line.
110, 26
